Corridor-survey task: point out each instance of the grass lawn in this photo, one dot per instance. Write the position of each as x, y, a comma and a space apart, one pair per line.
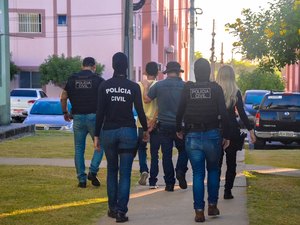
45, 144
273, 199
276, 158
31, 187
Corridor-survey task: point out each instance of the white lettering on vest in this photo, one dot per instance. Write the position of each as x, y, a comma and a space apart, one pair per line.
118, 90
118, 99
200, 93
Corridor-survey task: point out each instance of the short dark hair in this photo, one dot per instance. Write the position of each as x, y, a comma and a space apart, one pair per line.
88, 62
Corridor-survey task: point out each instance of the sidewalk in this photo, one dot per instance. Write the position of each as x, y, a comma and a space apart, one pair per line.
148, 207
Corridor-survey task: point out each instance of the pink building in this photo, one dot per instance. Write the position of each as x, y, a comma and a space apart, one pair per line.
292, 76
40, 29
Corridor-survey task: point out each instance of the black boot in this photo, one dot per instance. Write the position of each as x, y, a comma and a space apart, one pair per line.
121, 218
93, 177
228, 194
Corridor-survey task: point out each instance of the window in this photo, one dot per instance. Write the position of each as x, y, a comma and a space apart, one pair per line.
134, 25
30, 79
30, 23
62, 20
139, 27
153, 33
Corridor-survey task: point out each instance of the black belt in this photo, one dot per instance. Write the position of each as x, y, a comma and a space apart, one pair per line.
201, 127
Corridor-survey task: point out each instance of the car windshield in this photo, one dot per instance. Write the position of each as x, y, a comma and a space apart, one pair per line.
46, 108
23, 93
282, 102
254, 98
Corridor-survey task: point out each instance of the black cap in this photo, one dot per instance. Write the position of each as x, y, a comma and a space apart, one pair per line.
88, 62
173, 66
202, 70
152, 68
119, 63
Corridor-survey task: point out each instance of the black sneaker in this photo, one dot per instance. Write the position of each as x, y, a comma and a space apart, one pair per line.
82, 184
169, 187
181, 179
93, 177
228, 194
121, 218
111, 214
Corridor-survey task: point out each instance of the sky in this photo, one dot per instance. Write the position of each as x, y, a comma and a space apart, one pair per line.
223, 12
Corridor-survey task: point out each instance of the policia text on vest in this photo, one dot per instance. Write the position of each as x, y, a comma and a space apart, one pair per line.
118, 90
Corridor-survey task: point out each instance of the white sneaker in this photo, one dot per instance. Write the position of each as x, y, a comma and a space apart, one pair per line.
153, 187
143, 178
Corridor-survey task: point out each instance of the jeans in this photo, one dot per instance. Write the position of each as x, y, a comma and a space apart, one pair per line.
204, 147
84, 124
167, 135
120, 145
231, 166
142, 151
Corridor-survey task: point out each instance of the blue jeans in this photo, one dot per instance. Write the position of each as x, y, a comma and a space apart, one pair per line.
84, 124
204, 147
167, 135
120, 145
142, 152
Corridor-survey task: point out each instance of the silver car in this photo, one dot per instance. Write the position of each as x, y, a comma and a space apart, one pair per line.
46, 114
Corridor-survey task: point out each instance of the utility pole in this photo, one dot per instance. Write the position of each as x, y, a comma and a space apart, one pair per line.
212, 58
4, 66
222, 54
128, 36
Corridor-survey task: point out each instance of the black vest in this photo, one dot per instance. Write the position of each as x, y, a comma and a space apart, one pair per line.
82, 89
201, 112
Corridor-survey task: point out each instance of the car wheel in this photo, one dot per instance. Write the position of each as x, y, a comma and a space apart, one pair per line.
259, 144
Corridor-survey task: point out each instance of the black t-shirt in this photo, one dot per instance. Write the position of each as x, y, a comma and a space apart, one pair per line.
82, 90
202, 104
116, 98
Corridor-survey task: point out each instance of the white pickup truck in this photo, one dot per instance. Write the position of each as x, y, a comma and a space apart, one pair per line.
21, 99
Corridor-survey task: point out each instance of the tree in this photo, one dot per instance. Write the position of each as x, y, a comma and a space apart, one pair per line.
13, 70
57, 69
198, 55
260, 79
271, 36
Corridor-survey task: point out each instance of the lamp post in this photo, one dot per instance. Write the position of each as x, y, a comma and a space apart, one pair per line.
4, 66
213, 57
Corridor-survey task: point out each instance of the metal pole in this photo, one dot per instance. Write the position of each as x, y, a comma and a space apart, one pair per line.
4, 66
128, 37
212, 58
192, 40
222, 54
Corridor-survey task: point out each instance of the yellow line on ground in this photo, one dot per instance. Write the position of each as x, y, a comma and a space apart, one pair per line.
54, 207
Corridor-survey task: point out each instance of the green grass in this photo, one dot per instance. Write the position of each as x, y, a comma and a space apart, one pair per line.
45, 144
273, 200
276, 158
27, 187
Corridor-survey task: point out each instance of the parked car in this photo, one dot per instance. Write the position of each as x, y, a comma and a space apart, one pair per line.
278, 119
253, 98
21, 99
46, 114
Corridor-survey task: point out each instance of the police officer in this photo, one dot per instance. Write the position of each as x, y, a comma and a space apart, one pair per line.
201, 106
81, 89
117, 96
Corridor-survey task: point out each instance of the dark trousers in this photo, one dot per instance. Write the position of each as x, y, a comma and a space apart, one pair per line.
231, 166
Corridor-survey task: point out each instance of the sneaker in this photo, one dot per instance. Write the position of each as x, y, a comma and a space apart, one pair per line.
181, 179
153, 186
143, 178
121, 218
213, 210
169, 187
82, 185
228, 194
199, 215
93, 177
111, 214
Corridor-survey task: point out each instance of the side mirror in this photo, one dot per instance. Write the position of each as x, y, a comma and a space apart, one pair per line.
25, 113
256, 107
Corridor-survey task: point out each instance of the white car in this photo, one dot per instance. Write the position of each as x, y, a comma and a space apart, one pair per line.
46, 114
21, 99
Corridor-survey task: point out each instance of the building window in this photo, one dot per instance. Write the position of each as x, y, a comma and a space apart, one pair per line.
139, 27
30, 23
30, 79
62, 20
156, 33
152, 33
134, 25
